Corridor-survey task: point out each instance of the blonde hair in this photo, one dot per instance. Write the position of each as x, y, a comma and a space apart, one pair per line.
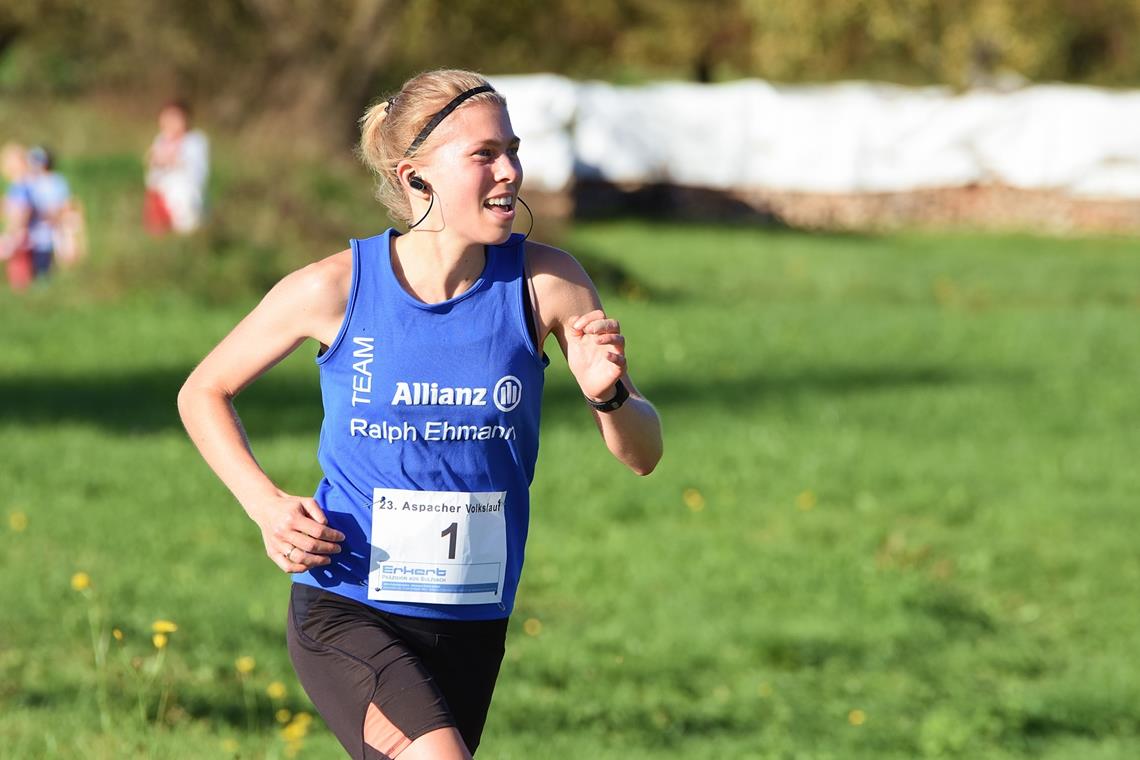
389, 126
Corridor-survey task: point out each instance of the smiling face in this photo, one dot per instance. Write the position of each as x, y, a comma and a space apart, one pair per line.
475, 173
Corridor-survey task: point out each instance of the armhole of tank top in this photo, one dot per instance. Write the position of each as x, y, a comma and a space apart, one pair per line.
353, 288
529, 323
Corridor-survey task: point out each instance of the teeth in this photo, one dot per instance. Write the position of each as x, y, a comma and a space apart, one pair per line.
500, 202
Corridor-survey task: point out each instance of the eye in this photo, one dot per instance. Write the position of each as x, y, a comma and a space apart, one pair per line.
485, 153
513, 150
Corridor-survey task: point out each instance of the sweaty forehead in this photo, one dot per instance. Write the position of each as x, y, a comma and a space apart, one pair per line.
474, 123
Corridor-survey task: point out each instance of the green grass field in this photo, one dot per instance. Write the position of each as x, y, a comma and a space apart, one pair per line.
896, 516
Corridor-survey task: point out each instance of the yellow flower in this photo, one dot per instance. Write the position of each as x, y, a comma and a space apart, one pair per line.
533, 626
245, 664
856, 717
693, 499
163, 626
275, 690
945, 290
303, 718
159, 640
230, 745
18, 522
283, 715
295, 731
80, 581
117, 633
805, 501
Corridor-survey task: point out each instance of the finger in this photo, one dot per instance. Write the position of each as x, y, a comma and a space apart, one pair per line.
312, 529
618, 359
316, 527
310, 545
599, 326
306, 561
313, 510
293, 567
579, 322
303, 532
293, 556
611, 339
287, 565
573, 331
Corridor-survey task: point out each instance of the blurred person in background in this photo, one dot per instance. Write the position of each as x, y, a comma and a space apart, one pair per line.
14, 248
51, 200
177, 167
407, 559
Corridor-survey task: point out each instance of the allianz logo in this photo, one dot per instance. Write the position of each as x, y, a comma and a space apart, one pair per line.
506, 394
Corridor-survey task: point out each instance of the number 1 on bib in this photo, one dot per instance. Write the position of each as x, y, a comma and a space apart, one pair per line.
450, 530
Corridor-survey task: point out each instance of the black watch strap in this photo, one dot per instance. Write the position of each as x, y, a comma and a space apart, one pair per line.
620, 395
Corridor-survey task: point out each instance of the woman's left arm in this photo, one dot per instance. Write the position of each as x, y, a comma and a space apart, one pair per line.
567, 305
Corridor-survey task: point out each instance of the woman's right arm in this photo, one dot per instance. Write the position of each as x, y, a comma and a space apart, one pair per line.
308, 303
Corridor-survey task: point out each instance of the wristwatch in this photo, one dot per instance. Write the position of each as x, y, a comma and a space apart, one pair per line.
620, 395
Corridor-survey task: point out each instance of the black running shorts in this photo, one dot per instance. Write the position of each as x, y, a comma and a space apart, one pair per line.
380, 681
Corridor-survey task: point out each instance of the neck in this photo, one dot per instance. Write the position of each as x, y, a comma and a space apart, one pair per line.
435, 267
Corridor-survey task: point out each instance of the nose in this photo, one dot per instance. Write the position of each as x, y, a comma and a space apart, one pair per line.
508, 168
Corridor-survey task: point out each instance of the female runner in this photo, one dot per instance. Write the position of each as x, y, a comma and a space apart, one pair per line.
407, 558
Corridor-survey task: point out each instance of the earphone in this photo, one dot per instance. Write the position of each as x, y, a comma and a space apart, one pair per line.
417, 183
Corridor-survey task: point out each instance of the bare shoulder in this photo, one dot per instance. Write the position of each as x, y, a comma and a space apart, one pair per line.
311, 301
322, 286
545, 262
562, 289
327, 276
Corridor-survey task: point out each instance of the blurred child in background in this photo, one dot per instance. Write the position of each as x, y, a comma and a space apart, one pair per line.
50, 200
178, 164
14, 248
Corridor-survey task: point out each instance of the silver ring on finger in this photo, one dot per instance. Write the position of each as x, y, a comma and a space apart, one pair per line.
289, 554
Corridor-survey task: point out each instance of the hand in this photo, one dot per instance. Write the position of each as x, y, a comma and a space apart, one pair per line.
595, 353
295, 532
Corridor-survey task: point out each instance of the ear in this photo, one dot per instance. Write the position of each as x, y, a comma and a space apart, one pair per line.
410, 180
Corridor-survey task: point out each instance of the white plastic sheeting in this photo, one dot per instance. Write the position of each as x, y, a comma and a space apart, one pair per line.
542, 109
848, 137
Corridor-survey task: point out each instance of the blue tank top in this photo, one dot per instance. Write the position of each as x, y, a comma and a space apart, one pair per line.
430, 430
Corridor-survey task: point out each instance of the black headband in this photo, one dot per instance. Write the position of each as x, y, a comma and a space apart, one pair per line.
442, 114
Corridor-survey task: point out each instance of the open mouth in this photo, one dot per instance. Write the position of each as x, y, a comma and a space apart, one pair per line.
503, 207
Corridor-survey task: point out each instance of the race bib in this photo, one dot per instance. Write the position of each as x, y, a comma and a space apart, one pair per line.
441, 547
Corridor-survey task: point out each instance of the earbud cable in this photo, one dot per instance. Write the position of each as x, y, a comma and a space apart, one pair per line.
432, 203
